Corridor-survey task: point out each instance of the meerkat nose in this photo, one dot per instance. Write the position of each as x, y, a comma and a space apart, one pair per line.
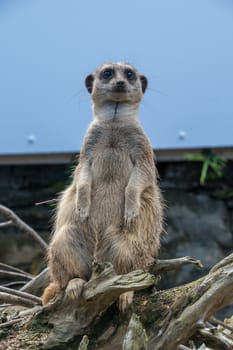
120, 83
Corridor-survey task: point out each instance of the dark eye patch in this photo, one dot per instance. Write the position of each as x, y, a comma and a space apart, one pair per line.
107, 73
129, 74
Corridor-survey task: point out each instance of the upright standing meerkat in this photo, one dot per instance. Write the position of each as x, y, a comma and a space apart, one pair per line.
112, 211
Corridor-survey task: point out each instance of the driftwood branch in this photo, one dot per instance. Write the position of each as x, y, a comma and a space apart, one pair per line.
215, 339
178, 312
211, 294
15, 300
15, 269
6, 223
37, 285
5, 273
24, 295
174, 264
135, 337
160, 320
10, 323
103, 289
224, 262
49, 201
22, 226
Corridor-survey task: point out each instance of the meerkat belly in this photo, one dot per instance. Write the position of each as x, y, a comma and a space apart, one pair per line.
111, 170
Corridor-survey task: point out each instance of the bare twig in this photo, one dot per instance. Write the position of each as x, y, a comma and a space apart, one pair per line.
21, 294
215, 339
212, 294
7, 223
16, 221
37, 284
226, 261
31, 311
174, 264
4, 273
12, 268
15, 300
15, 283
3, 306
49, 201
10, 323
223, 324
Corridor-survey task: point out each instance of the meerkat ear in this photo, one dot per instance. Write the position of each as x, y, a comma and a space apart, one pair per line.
89, 82
144, 82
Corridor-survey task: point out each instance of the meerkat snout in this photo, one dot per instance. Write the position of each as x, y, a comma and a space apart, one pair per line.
120, 83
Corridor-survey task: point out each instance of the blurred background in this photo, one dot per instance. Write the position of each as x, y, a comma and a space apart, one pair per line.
184, 47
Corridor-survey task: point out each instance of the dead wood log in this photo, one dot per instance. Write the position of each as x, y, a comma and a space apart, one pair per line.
37, 285
71, 317
135, 337
170, 317
39, 282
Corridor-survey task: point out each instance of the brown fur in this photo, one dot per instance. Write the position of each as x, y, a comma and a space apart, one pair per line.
112, 211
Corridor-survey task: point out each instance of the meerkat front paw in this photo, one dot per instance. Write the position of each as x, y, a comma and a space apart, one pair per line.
83, 213
83, 202
74, 288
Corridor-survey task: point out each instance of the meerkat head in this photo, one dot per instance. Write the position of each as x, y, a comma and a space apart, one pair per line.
116, 83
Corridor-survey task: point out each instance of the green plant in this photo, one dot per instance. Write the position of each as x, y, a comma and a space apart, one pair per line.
212, 164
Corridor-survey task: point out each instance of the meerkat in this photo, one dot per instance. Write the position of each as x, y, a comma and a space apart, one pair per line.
113, 209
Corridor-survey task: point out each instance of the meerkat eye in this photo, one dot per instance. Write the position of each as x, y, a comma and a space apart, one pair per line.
107, 74
130, 75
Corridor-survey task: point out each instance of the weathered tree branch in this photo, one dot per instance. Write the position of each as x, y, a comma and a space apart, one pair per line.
15, 269
15, 300
226, 261
212, 294
103, 289
5, 273
48, 201
24, 295
135, 337
16, 221
173, 264
163, 320
37, 285
6, 223
215, 339
10, 323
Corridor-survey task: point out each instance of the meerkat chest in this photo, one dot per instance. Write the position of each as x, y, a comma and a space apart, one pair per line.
112, 155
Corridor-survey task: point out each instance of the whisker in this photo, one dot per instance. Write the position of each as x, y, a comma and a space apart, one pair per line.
75, 95
157, 91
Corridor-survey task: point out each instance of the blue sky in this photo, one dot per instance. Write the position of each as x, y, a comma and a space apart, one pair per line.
184, 47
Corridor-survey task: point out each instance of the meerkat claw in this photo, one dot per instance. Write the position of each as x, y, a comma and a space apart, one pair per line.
83, 213
130, 216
